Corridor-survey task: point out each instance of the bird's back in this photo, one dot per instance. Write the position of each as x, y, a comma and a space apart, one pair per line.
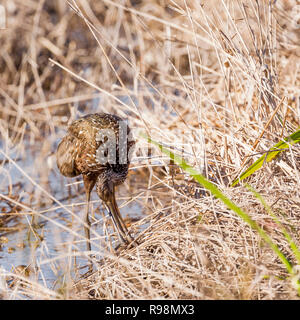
77, 152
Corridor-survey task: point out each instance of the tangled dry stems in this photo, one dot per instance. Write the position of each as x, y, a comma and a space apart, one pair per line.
203, 78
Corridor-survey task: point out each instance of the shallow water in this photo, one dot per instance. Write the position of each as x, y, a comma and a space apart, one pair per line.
21, 249
42, 242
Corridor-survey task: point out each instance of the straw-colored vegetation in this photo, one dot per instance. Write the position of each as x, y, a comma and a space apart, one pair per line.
216, 81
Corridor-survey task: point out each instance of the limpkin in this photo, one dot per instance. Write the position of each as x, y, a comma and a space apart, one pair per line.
97, 146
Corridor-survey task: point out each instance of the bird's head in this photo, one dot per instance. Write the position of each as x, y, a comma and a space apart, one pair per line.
105, 187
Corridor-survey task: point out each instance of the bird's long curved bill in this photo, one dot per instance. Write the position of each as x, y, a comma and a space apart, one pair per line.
114, 212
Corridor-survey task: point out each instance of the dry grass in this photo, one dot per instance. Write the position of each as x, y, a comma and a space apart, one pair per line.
204, 79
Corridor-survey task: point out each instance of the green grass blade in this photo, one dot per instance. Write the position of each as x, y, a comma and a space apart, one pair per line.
270, 155
292, 244
218, 194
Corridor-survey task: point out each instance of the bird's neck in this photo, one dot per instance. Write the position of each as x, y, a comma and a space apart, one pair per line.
115, 174
118, 173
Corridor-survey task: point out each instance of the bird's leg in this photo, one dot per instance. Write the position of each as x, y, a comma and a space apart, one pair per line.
89, 182
87, 221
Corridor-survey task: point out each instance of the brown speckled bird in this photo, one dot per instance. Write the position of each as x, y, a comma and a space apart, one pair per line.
88, 149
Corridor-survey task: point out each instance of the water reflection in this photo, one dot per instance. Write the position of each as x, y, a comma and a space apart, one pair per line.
47, 243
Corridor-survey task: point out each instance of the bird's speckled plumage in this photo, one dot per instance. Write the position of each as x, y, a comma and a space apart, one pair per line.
77, 154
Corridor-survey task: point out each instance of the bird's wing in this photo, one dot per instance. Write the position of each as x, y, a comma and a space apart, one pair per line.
66, 155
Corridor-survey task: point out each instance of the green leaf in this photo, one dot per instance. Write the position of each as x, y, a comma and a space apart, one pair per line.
288, 237
269, 156
218, 194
